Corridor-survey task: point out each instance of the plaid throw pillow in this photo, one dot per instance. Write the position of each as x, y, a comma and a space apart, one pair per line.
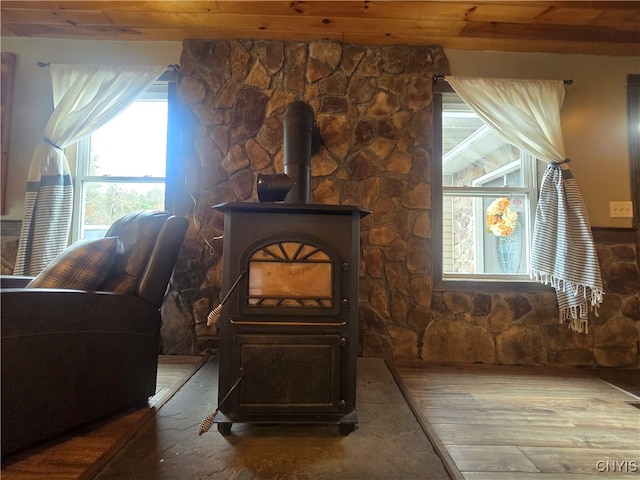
82, 266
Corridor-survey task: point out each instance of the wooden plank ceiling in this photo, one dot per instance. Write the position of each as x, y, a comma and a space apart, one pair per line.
598, 27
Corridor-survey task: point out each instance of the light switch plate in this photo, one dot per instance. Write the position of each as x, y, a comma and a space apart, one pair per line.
621, 209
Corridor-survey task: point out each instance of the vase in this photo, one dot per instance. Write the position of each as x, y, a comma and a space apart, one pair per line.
510, 252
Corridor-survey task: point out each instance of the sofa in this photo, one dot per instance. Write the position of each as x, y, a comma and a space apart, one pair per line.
72, 355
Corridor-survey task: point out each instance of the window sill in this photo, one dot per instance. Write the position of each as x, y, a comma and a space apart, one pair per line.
491, 285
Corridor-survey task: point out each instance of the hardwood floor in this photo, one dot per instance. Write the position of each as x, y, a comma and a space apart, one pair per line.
526, 423
486, 422
82, 454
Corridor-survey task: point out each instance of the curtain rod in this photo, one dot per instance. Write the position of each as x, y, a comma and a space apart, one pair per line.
438, 77
172, 66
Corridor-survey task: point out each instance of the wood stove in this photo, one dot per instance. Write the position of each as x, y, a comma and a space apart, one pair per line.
288, 328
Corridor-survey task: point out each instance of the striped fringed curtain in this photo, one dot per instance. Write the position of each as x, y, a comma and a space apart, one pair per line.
527, 114
85, 97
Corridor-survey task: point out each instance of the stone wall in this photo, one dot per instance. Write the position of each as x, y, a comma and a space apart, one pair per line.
373, 106
522, 327
9, 238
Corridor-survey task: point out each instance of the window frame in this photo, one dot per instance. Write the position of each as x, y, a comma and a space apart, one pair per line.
633, 134
82, 155
442, 282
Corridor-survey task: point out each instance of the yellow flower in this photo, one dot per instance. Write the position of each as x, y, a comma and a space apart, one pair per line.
500, 219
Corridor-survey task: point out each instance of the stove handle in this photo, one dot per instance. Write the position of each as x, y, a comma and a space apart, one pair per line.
214, 315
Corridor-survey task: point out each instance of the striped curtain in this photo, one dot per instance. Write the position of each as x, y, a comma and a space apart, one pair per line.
527, 114
85, 97
563, 253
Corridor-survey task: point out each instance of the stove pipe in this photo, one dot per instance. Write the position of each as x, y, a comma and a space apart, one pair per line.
301, 140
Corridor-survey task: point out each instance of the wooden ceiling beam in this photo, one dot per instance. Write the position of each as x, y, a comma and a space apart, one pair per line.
463, 43
604, 28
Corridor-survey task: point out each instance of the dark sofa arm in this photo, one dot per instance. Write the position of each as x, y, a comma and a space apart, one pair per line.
42, 310
69, 357
14, 281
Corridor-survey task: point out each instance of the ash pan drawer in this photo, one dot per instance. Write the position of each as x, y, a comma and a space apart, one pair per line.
289, 373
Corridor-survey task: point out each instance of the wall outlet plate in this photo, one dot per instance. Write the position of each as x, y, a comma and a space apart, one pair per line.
621, 209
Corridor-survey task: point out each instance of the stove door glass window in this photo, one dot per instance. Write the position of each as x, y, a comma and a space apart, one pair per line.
290, 275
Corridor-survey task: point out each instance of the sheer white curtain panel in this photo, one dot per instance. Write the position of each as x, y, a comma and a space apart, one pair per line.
85, 97
524, 112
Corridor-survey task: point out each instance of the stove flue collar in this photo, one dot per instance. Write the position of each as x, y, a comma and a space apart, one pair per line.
274, 187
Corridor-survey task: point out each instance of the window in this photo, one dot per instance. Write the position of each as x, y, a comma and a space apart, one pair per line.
121, 167
486, 198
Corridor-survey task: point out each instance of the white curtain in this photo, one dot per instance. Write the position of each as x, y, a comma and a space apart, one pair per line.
526, 113
85, 97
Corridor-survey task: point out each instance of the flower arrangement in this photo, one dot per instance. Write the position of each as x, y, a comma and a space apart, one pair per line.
501, 220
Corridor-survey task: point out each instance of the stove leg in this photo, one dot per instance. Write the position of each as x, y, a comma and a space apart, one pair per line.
346, 428
224, 428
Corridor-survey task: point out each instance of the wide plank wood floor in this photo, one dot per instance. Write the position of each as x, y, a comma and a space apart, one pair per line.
526, 423
486, 422
85, 451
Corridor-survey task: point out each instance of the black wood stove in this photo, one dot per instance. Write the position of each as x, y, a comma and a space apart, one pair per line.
288, 326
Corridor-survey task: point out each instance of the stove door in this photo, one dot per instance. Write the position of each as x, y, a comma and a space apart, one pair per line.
289, 374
